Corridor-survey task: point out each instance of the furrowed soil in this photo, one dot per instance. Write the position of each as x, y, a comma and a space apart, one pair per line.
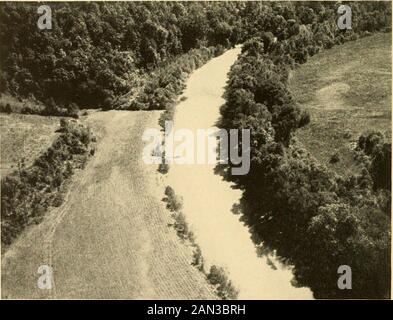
111, 238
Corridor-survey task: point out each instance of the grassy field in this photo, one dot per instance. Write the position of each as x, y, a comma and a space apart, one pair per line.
24, 136
347, 91
111, 237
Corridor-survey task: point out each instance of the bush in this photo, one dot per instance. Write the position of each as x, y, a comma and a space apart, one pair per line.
63, 125
9, 104
334, 158
218, 278
174, 202
291, 203
108, 103
27, 193
197, 258
108, 60
304, 119
73, 111
163, 168
181, 225
165, 84
370, 142
6, 109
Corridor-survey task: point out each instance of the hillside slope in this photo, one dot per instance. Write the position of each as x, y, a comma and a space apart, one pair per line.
111, 237
347, 91
24, 137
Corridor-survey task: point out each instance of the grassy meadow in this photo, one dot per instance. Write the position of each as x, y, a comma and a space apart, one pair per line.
24, 136
347, 91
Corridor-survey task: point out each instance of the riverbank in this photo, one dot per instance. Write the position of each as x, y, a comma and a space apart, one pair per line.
208, 200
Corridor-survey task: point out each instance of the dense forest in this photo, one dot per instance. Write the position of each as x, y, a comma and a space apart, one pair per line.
102, 55
315, 219
97, 52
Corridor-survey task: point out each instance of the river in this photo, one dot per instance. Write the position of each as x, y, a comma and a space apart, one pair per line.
208, 199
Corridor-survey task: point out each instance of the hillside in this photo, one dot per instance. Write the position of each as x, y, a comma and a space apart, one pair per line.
316, 194
110, 239
347, 91
99, 51
24, 137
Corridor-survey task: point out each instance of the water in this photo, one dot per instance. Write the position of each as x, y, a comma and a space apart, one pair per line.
208, 200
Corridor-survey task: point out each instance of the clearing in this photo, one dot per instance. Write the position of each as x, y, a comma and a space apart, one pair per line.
347, 90
110, 239
24, 136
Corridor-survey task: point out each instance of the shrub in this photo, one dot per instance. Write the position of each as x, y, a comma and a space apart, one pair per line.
197, 258
7, 108
181, 225
108, 103
165, 84
291, 203
163, 168
370, 142
73, 111
304, 119
334, 158
218, 278
27, 193
174, 202
63, 125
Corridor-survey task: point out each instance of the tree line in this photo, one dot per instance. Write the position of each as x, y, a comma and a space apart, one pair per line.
28, 192
97, 52
313, 218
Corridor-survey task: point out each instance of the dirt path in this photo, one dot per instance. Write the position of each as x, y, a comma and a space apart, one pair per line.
111, 238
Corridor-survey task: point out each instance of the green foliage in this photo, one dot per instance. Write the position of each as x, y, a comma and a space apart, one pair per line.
163, 168
175, 205
10, 104
380, 154
166, 82
98, 52
293, 204
218, 278
143, 52
197, 259
174, 202
28, 192
335, 158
